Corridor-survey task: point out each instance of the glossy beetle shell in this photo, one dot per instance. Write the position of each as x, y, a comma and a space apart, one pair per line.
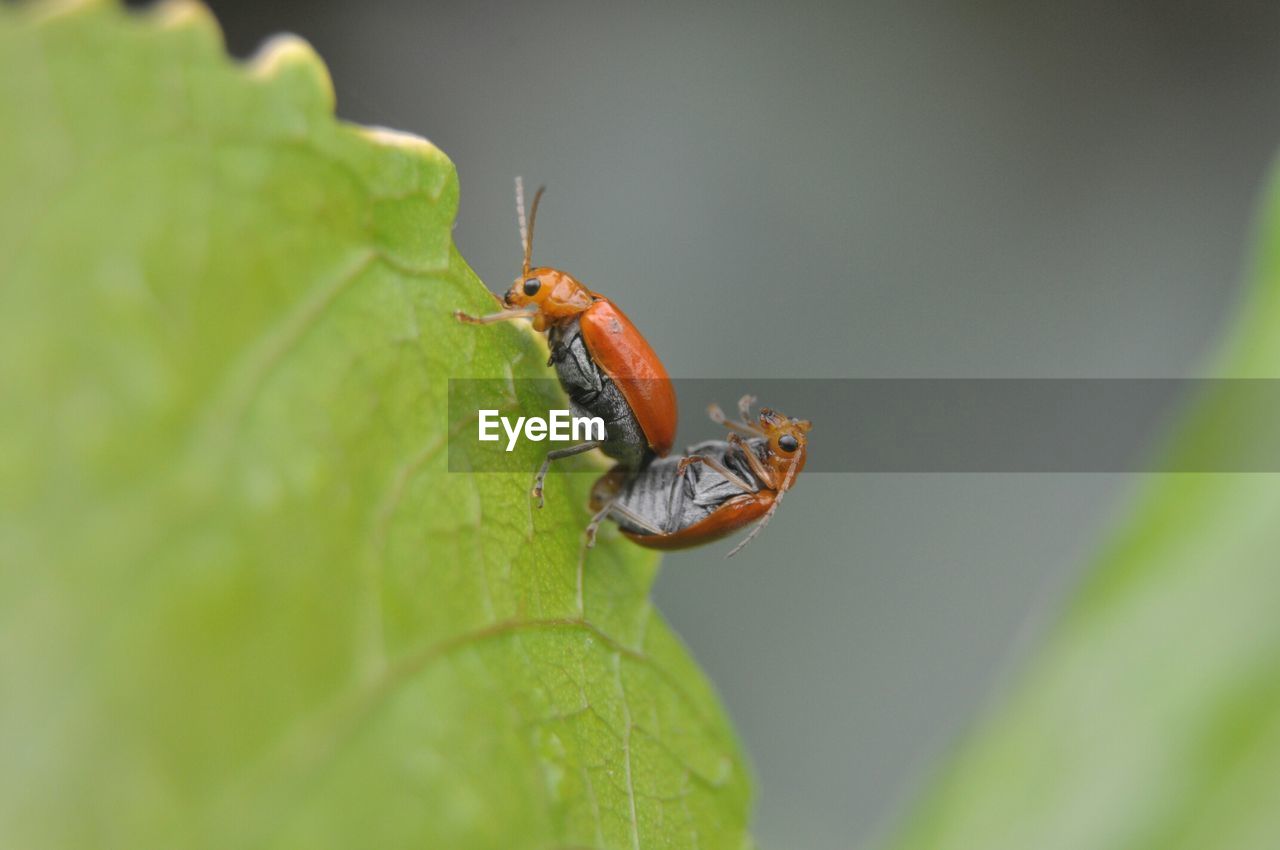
624, 355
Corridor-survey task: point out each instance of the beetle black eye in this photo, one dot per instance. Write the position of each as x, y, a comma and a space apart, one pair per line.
531, 286
788, 443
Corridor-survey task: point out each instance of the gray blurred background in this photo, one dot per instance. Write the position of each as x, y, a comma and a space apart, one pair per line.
873, 189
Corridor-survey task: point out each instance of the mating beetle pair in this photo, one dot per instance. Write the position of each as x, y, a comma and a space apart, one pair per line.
608, 370
717, 488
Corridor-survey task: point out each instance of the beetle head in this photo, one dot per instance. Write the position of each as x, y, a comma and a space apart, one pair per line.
788, 440
551, 293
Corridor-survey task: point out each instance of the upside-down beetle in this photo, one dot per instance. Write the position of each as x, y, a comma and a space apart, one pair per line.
719, 487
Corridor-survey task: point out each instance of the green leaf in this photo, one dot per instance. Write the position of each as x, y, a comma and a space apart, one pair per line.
1151, 718
243, 603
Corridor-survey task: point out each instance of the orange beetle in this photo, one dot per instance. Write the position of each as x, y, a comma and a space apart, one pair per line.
605, 366
718, 488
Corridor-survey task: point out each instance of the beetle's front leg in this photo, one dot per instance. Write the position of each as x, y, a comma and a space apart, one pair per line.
757, 467
744, 427
491, 318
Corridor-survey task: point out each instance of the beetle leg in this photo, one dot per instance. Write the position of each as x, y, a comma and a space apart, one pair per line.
718, 417
677, 481
557, 454
717, 466
612, 507
624, 512
760, 524
768, 515
757, 467
500, 316
596, 519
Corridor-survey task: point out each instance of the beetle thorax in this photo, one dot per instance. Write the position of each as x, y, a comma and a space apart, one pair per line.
564, 297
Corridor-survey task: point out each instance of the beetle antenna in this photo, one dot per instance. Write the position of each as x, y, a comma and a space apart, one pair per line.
533, 216
524, 228
768, 515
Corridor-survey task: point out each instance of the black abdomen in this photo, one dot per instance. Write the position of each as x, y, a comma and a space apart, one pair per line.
673, 503
593, 393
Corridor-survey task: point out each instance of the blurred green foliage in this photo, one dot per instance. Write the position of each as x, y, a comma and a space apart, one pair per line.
1150, 720
243, 603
